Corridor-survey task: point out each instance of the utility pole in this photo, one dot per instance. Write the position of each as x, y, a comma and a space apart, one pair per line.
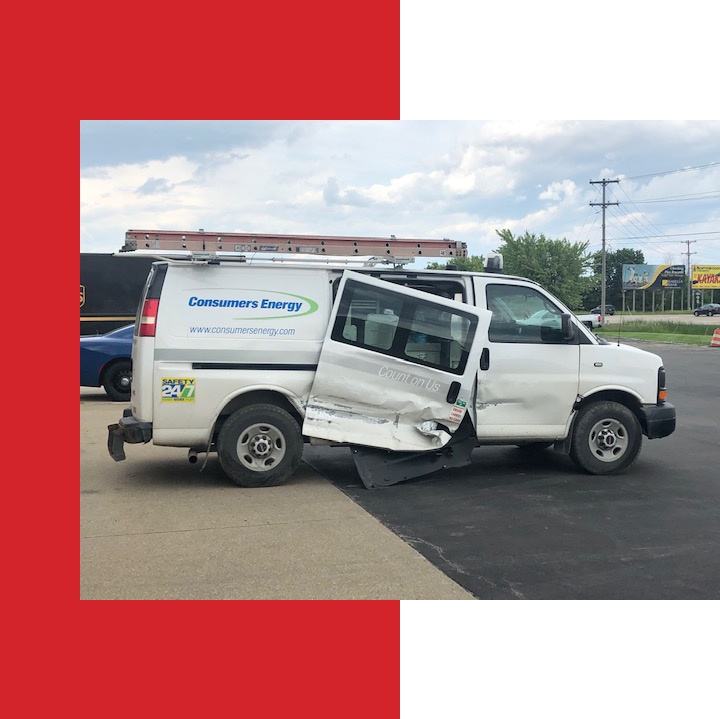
689, 273
603, 204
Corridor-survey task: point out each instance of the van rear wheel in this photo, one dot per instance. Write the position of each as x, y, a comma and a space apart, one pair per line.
606, 438
260, 446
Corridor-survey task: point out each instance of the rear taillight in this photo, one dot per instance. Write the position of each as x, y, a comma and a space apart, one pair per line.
148, 318
662, 391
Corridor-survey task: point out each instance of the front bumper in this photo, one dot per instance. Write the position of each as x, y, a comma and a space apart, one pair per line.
658, 420
129, 430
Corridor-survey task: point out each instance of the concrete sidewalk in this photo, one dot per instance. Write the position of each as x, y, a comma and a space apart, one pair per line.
157, 527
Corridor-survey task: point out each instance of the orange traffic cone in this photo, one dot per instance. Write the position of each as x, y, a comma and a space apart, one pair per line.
715, 341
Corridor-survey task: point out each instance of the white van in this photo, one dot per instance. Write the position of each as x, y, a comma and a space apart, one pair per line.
412, 369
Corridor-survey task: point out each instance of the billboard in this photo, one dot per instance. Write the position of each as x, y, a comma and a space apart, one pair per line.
706, 277
653, 277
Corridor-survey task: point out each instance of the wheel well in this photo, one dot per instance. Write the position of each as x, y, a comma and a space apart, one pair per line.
614, 395
632, 403
256, 397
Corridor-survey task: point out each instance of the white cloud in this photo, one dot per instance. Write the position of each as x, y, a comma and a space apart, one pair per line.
560, 191
462, 180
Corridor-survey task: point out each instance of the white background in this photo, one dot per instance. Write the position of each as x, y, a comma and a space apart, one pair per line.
565, 659
516, 59
558, 59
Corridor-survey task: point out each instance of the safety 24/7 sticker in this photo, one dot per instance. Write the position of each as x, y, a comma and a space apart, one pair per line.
177, 389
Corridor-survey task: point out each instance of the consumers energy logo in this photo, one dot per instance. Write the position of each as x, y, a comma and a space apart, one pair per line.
259, 304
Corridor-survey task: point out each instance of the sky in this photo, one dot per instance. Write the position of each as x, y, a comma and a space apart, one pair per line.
425, 179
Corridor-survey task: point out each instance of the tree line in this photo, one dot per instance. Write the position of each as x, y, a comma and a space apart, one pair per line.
565, 268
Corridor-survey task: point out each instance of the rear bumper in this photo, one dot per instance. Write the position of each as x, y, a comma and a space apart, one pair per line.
658, 420
129, 430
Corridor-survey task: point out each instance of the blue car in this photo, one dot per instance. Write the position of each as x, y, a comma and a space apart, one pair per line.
105, 362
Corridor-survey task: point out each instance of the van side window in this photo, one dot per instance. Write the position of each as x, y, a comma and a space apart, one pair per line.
522, 315
424, 333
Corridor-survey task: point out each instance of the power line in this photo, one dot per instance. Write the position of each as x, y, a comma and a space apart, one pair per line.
681, 198
685, 222
643, 215
671, 172
679, 234
650, 236
649, 240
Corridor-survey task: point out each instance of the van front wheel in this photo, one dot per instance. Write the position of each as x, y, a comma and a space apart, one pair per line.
259, 446
606, 438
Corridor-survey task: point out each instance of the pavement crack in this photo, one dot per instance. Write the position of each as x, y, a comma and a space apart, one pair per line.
413, 541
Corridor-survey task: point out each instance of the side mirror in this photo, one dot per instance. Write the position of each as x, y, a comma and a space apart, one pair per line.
551, 335
569, 330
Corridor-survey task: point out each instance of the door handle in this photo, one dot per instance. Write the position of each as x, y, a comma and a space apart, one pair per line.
485, 359
453, 392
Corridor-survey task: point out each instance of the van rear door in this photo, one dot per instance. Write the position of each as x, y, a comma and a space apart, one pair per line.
397, 367
143, 353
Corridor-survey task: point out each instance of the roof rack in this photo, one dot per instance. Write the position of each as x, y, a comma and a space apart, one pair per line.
206, 246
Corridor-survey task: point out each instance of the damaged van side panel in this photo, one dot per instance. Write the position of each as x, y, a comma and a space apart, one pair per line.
397, 367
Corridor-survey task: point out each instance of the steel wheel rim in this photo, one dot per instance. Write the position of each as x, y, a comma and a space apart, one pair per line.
261, 447
608, 440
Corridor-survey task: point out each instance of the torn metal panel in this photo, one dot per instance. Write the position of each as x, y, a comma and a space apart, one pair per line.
374, 387
374, 425
382, 468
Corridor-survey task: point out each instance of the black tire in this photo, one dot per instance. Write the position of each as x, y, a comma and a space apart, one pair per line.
117, 381
260, 446
696, 313
606, 438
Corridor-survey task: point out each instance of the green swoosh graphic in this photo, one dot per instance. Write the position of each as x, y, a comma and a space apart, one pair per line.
313, 306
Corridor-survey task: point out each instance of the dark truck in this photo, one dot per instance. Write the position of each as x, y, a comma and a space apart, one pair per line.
110, 290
